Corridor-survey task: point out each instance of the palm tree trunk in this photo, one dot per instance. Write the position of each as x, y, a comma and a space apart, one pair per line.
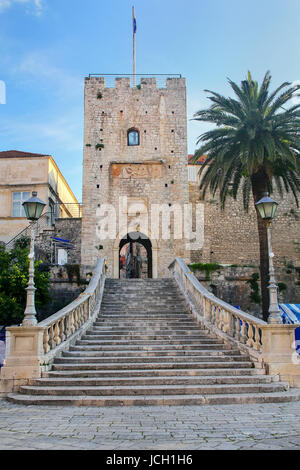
259, 186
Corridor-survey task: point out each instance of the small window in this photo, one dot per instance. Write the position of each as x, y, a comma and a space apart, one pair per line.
192, 174
133, 137
17, 199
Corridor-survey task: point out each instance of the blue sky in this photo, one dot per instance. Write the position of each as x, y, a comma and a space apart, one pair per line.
47, 47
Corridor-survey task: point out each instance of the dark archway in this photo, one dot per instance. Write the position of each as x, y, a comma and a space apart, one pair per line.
131, 262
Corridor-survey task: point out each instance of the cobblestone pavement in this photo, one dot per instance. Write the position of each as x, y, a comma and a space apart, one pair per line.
257, 426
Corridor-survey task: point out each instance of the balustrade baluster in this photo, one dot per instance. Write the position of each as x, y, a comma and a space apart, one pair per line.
46, 345
51, 337
256, 343
226, 322
250, 335
230, 324
208, 309
68, 325
62, 330
56, 333
220, 318
77, 324
243, 335
237, 328
72, 323
81, 315
213, 313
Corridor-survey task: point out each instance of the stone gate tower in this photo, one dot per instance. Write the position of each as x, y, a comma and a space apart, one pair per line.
135, 159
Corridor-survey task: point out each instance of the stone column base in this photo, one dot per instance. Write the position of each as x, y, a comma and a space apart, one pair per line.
24, 347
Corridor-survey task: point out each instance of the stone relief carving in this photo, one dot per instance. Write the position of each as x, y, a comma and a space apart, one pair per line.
136, 170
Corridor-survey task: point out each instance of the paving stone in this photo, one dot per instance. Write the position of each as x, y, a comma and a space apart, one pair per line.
186, 427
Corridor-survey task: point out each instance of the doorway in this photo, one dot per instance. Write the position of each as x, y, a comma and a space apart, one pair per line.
135, 256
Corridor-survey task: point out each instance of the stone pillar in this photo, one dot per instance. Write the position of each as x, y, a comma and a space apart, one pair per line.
24, 350
279, 352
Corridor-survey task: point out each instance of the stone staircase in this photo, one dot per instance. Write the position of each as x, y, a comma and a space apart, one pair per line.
145, 348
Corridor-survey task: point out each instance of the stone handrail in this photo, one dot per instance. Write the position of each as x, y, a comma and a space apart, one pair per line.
237, 324
30, 350
271, 346
63, 324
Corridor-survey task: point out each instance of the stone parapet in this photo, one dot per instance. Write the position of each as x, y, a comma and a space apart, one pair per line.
273, 347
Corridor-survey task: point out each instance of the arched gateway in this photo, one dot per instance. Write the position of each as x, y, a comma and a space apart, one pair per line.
135, 256
138, 244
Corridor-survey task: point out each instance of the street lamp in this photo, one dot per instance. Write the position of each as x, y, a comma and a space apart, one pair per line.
33, 208
267, 208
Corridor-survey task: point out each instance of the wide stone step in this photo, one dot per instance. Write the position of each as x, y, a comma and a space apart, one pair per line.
158, 331
135, 318
215, 399
156, 314
155, 389
151, 343
149, 354
146, 381
70, 365
206, 356
187, 324
145, 373
152, 299
136, 330
155, 348
133, 337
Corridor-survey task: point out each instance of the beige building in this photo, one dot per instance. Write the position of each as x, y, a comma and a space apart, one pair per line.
20, 174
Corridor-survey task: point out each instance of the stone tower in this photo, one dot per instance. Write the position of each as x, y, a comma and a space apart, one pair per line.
134, 167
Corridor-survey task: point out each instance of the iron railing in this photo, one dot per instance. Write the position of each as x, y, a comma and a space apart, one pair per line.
47, 220
67, 210
43, 222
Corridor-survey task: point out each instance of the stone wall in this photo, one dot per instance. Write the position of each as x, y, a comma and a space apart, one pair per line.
231, 236
67, 229
231, 284
66, 283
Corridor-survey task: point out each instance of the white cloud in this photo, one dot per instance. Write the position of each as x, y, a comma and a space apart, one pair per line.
46, 131
35, 68
36, 6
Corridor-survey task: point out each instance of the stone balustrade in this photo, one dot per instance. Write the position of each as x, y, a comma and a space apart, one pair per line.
270, 346
58, 328
31, 350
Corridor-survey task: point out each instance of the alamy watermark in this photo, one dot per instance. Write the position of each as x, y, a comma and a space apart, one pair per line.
2, 92
159, 221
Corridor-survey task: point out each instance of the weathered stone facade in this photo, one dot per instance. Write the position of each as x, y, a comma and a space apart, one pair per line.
67, 229
153, 172
230, 235
233, 285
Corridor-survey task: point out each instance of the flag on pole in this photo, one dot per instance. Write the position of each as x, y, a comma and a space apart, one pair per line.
133, 40
134, 23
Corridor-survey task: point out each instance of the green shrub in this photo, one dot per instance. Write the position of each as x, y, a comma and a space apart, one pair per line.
208, 268
254, 295
14, 266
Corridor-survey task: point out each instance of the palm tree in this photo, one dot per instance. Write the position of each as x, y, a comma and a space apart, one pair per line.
255, 146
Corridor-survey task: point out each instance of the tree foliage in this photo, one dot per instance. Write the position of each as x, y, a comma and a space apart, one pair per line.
254, 148
255, 137
14, 267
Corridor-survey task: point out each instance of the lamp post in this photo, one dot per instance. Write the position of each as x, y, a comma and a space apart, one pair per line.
267, 208
33, 209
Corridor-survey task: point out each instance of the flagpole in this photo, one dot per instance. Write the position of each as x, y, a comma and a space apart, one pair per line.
133, 37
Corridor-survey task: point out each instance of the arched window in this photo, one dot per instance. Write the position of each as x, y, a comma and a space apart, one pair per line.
133, 137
